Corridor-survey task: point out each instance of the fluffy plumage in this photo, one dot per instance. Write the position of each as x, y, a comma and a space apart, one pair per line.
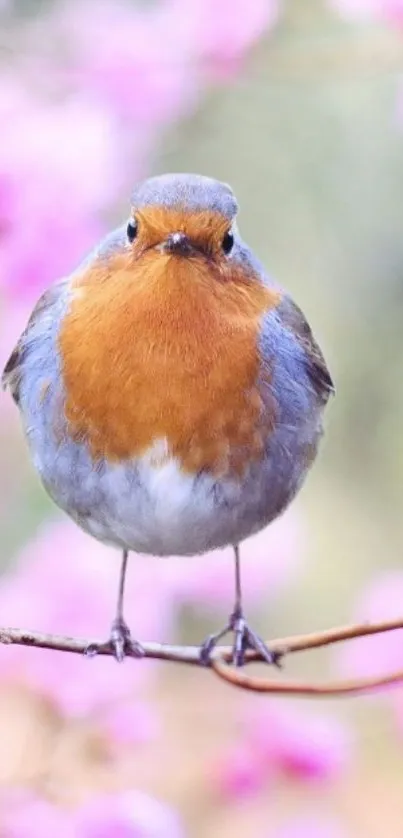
172, 402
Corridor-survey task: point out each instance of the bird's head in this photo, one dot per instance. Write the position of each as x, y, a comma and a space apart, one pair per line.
181, 234
184, 216
179, 218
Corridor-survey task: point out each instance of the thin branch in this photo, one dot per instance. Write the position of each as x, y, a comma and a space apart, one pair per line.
304, 688
222, 656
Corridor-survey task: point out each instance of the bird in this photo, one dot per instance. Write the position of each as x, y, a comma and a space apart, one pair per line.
171, 392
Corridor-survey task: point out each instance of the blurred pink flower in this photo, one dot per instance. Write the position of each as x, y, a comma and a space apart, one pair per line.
131, 814
306, 746
58, 171
67, 582
24, 815
387, 10
129, 722
239, 772
298, 743
381, 653
271, 560
282, 741
220, 32
65, 157
155, 60
311, 827
143, 73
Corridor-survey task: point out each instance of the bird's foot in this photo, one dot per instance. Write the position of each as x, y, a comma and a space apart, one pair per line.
120, 643
244, 639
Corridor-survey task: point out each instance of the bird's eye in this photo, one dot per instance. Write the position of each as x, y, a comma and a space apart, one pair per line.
132, 229
227, 242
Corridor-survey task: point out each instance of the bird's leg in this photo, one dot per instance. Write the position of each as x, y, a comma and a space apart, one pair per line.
120, 638
244, 637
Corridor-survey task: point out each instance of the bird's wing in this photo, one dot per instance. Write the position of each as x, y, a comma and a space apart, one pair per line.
315, 364
11, 375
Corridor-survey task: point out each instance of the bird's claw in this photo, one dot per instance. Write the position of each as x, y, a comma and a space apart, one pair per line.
244, 639
120, 643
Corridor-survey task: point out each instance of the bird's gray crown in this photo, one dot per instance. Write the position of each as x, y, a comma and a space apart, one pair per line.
194, 193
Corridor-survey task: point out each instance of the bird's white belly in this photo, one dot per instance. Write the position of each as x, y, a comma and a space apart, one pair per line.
162, 510
151, 505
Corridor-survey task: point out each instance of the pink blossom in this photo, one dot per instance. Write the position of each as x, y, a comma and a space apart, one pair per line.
387, 10
64, 156
156, 60
300, 744
278, 741
53, 187
67, 582
270, 561
314, 749
239, 772
129, 722
144, 72
381, 653
219, 32
313, 826
27, 816
132, 814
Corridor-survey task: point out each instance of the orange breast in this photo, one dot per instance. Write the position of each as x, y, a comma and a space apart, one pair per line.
165, 348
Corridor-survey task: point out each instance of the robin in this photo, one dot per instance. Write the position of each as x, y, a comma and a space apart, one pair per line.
171, 394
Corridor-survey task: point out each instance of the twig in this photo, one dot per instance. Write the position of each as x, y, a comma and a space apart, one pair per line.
304, 688
222, 655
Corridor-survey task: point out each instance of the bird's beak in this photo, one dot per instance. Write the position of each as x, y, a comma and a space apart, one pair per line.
177, 243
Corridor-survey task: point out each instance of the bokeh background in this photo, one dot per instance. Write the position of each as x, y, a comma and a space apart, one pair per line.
299, 105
